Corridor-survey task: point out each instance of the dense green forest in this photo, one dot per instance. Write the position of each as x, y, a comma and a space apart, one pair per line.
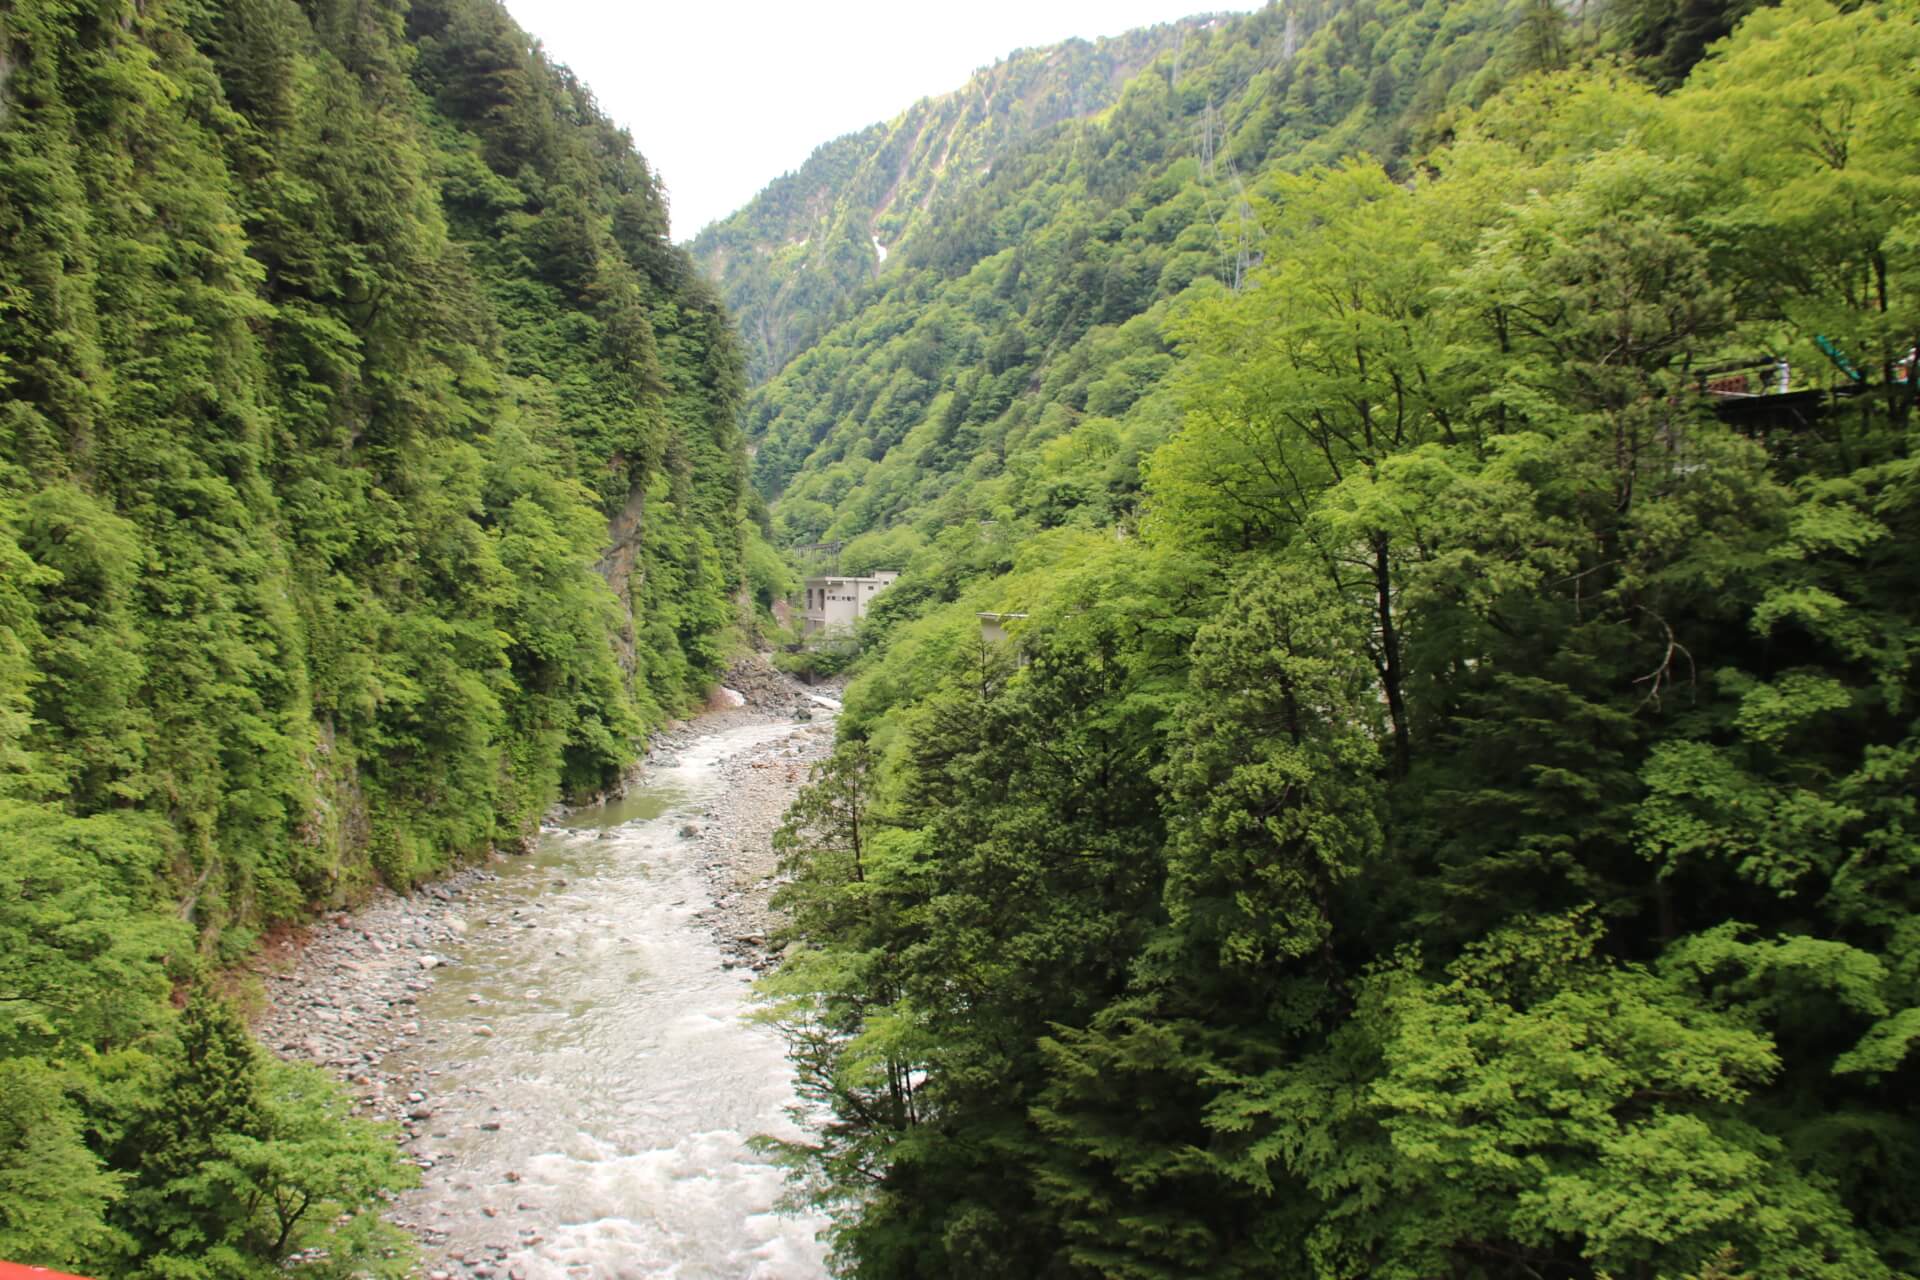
796, 258
1039, 294
370, 478
1448, 807
1443, 810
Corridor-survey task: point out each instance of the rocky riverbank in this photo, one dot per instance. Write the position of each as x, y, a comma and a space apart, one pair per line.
752, 691
736, 840
344, 992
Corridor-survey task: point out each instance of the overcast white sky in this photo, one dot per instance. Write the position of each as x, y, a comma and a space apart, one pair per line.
725, 96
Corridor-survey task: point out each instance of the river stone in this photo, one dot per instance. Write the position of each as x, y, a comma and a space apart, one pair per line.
381, 965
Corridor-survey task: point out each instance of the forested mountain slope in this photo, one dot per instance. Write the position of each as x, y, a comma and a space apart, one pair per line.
1033, 299
1447, 806
794, 259
369, 479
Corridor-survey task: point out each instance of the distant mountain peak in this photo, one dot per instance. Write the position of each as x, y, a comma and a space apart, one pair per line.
796, 255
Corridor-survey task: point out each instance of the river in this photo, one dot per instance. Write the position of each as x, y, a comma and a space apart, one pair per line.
594, 1083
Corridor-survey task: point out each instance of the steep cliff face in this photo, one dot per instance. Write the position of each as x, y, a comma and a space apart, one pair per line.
792, 261
1027, 304
340, 343
629, 349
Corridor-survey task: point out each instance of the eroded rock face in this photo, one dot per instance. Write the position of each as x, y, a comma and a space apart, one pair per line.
616, 566
765, 687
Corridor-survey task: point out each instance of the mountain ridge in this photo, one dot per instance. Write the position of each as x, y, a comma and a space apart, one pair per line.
804, 246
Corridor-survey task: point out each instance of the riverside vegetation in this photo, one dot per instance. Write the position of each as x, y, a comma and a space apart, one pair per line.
1449, 807
1446, 809
340, 344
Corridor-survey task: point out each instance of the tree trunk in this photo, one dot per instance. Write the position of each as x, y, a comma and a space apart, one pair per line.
1390, 672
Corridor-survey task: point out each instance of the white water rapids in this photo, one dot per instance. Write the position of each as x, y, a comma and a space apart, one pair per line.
589, 1019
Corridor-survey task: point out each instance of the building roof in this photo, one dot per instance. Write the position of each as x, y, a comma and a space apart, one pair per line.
15, 1271
876, 576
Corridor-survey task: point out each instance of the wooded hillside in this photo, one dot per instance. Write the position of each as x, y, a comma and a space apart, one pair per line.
369, 480
1446, 806
797, 257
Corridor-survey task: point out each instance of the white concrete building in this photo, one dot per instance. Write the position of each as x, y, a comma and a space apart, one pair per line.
835, 603
993, 626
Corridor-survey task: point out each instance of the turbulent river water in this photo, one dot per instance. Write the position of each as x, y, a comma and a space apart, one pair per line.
598, 1085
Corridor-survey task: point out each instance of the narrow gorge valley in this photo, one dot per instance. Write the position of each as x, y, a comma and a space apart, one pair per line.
1267, 646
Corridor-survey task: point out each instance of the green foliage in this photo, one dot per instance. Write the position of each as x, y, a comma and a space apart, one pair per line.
251, 1168
82, 952
797, 257
1533, 1096
1007, 362
1445, 810
1271, 785
820, 660
53, 1193
369, 479
1669, 36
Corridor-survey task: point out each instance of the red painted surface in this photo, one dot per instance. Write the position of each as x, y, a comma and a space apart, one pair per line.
14, 1271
